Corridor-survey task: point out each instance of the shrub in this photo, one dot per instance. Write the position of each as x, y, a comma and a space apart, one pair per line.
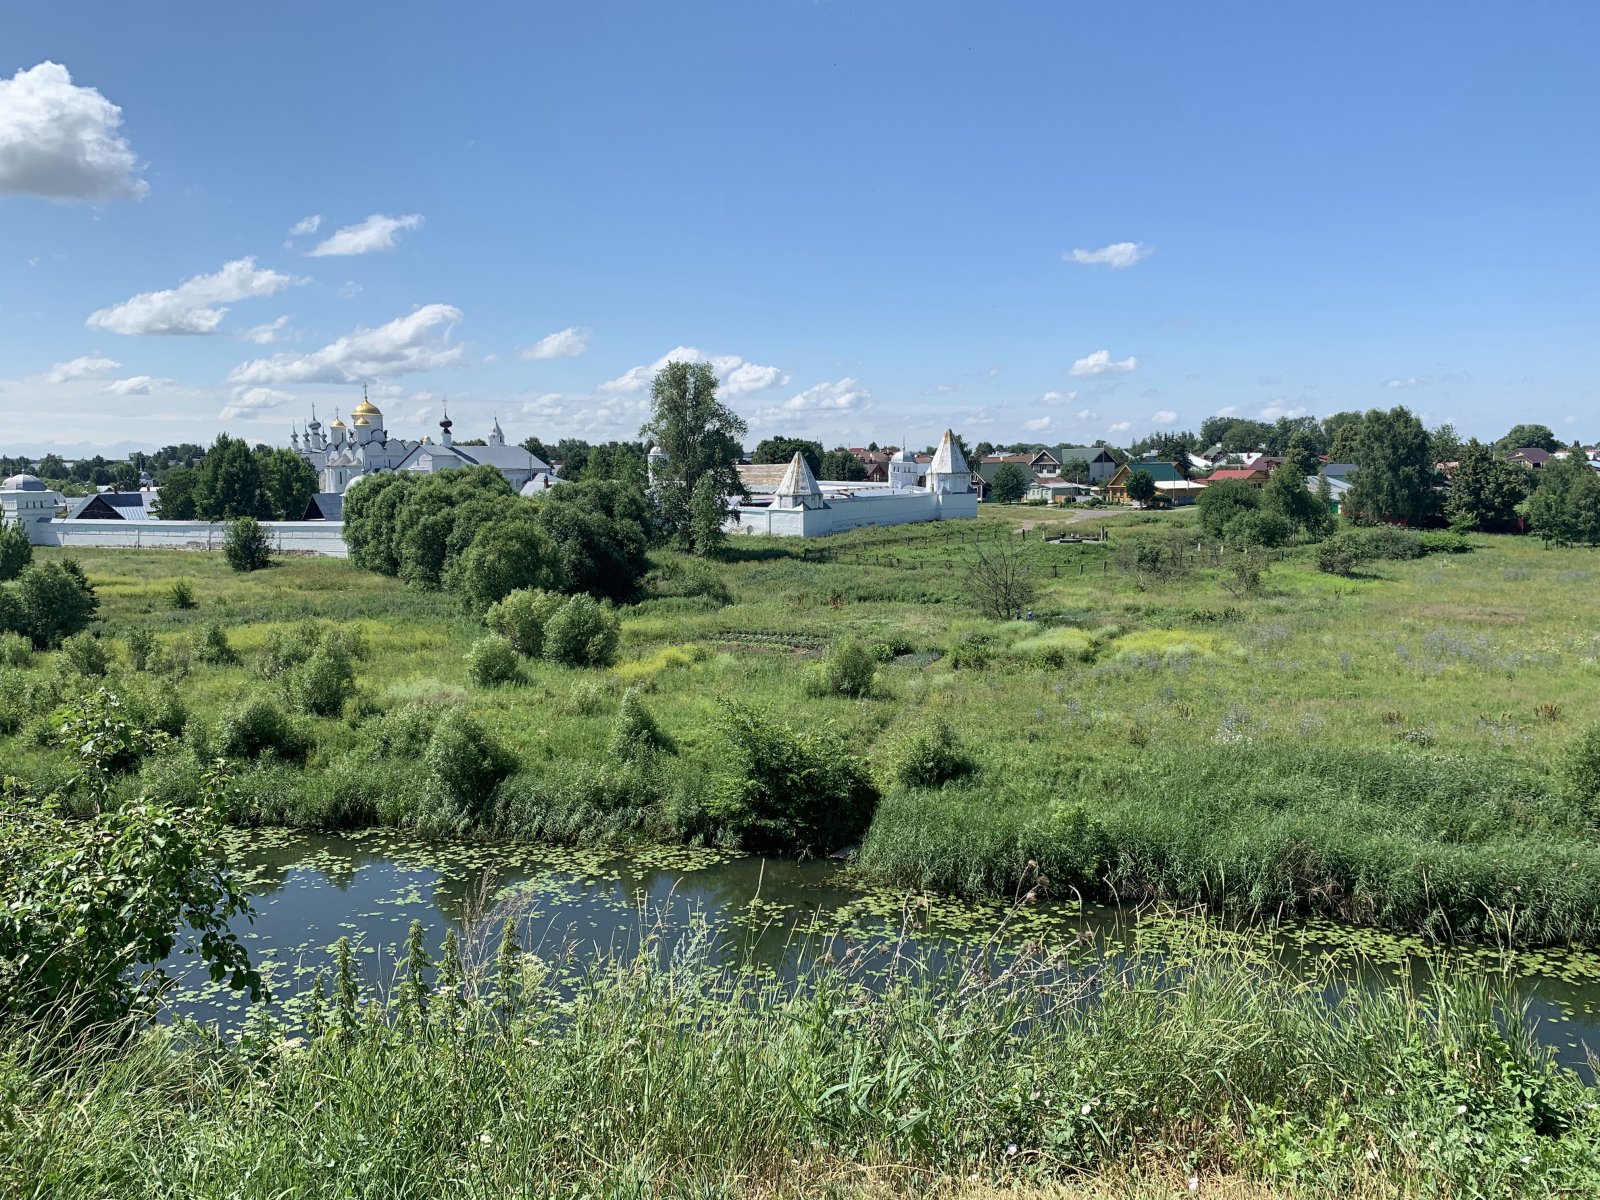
589, 697
15, 650
16, 552
462, 767
691, 577
181, 595
971, 653
405, 732
521, 617
1580, 771
86, 655
210, 645
492, 661
849, 669
1443, 541
245, 545
1257, 527
260, 727
53, 601
783, 790
142, 649
1342, 553
635, 734
323, 683
1388, 541
583, 632
927, 754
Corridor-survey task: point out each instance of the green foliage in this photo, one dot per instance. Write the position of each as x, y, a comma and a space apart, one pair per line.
708, 515
1222, 502
462, 766
1001, 581
1580, 770
325, 680
1565, 508
15, 650
700, 438
92, 906
839, 464
50, 602
86, 655
227, 484
246, 546
1141, 487
288, 482
776, 450
209, 644
16, 552
1521, 436
927, 754
849, 669
1287, 496
180, 596
104, 736
691, 577
504, 557
520, 618
1341, 554
1485, 489
1264, 527
1396, 479
782, 790
177, 497
259, 727
599, 533
492, 662
582, 633
635, 734
1010, 484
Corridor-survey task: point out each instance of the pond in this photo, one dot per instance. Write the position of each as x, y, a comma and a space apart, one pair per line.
773, 914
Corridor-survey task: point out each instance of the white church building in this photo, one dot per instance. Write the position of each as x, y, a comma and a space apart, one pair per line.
802, 506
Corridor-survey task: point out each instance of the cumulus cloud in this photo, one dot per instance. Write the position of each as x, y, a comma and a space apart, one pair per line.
1412, 381
1119, 427
1037, 424
1228, 410
842, 395
1165, 417
737, 377
1116, 256
375, 233
306, 226
86, 367
59, 141
419, 341
564, 343
561, 414
137, 385
349, 289
265, 335
1054, 397
250, 401
196, 305
1279, 408
1084, 414
1101, 363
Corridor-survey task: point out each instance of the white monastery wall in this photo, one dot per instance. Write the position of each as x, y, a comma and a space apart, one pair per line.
287, 537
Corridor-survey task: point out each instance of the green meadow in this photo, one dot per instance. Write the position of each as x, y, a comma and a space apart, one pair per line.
1399, 749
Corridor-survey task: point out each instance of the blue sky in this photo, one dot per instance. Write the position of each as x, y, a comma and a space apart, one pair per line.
864, 214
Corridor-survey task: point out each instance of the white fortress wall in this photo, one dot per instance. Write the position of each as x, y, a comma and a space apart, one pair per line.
289, 537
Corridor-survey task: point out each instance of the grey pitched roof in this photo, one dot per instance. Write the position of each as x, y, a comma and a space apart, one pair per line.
948, 459
505, 458
111, 506
797, 479
325, 506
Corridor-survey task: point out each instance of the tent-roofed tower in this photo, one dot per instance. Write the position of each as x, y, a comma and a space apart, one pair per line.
948, 472
798, 487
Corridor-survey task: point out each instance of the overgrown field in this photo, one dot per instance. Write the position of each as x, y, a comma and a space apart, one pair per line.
1402, 748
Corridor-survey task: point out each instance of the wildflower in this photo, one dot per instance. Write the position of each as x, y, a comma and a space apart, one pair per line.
1011, 1150
1084, 1111
1194, 1183
1372, 1155
1461, 1110
485, 1140
1388, 1091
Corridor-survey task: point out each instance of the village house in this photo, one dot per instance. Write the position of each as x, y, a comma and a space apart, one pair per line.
1161, 472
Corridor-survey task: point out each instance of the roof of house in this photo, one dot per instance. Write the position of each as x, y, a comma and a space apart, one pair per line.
1234, 473
1180, 485
1534, 455
1082, 454
1156, 470
1338, 470
113, 506
1336, 486
761, 478
324, 506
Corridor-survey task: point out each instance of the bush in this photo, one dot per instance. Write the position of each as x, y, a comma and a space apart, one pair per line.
16, 552
15, 650
1257, 527
52, 602
849, 669
142, 649
783, 790
1444, 541
86, 655
635, 734
210, 645
323, 683
462, 766
492, 662
406, 732
260, 727
521, 617
245, 545
1342, 553
691, 577
971, 653
583, 632
927, 754
181, 595
1388, 541
1580, 771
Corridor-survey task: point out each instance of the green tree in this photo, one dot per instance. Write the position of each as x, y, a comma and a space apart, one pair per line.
1447, 444
288, 481
245, 545
1010, 484
842, 466
125, 477
228, 482
617, 462
600, 533
708, 516
176, 499
1141, 487
53, 601
1221, 502
1485, 489
700, 438
775, 450
1343, 431
1520, 436
1300, 455
1286, 495
504, 556
16, 552
1395, 483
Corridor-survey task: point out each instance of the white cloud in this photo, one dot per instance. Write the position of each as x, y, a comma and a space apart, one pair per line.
941, 389
1084, 414
564, 343
738, 377
842, 395
1119, 427
60, 142
349, 289
137, 385
1116, 256
1037, 424
1228, 410
250, 401
265, 335
86, 367
306, 226
196, 305
1165, 417
375, 233
1280, 409
419, 341
578, 415
1101, 363
1054, 397
1413, 381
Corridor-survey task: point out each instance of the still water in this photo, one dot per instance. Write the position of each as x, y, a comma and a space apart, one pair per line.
774, 914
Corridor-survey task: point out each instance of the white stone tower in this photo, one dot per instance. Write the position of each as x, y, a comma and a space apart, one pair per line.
798, 487
948, 472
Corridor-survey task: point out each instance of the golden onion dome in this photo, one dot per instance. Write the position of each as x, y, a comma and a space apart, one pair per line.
337, 424
362, 421
365, 409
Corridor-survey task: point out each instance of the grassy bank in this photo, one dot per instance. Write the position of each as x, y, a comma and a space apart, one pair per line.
1387, 749
627, 1078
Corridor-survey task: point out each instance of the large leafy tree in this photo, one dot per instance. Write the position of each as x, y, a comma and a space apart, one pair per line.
288, 481
1395, 483
700, 438
782, 449
1141, 487
1565, 508
600, 533
1221, 502
1010, 484
1287, 495
228, 483
1520, 436
1343, 431
842, 466
1485, 489
176, 498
